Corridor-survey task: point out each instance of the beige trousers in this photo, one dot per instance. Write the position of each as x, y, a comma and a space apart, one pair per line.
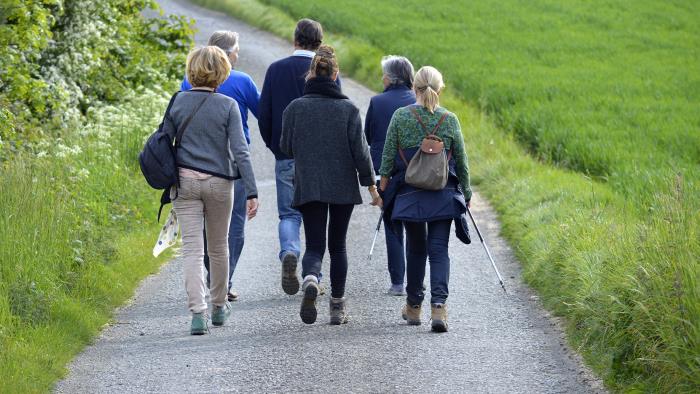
201, 201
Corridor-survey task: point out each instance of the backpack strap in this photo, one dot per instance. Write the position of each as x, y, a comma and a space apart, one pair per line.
187, 121
398, 145
167, 111
403, 156
420, 121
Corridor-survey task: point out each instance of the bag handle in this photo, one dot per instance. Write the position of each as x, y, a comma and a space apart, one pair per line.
187, 121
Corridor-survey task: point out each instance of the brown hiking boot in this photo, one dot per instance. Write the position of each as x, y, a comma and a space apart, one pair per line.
438, 315
308, 312
411, 313
338, 313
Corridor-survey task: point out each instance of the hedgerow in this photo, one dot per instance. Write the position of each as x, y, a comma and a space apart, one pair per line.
82, 83
60, 57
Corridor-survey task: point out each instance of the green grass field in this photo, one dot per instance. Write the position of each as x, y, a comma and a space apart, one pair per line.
608, 89
582, 123
76, 233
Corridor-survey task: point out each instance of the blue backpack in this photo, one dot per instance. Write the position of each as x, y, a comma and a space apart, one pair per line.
158, 157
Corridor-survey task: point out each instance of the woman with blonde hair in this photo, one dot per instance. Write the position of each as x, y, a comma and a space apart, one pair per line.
322, 132
212, 153
240, 87
427, 215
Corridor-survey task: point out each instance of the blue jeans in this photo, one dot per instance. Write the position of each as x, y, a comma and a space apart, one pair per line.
236, 231
290, 218
427, 240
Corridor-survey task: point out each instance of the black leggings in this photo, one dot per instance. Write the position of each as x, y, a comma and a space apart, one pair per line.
315, 215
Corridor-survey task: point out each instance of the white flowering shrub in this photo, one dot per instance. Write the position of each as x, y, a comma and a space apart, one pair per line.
60, 58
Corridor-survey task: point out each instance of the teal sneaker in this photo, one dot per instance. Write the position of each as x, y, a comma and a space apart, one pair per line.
220, 314
199, 324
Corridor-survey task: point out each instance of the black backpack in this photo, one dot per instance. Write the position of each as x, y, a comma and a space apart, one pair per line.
158, 157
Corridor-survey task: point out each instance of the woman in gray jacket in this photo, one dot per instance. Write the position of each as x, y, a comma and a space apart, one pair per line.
213, 152
322, 131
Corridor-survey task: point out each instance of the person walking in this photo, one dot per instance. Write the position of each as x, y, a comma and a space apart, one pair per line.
426, 214
322, 132
398, 92
240, 87
284, 82
213, 153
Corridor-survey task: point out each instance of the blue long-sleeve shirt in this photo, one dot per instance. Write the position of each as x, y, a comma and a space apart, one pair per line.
240, 87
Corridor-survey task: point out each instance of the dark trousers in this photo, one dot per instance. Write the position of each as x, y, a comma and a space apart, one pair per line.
427, 240
396, 259
316, 217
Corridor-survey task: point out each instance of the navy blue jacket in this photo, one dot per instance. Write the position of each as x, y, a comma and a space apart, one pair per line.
403, 202
381, 109
284, 82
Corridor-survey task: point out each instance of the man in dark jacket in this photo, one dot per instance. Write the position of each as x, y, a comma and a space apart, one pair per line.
398, 92
284, 82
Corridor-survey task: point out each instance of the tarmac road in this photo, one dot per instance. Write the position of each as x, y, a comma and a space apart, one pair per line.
497, 343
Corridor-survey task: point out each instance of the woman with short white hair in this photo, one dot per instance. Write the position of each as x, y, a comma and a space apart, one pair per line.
427, 215
398, 92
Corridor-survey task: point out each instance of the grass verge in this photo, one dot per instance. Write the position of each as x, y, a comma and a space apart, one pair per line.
76, 233
625, 276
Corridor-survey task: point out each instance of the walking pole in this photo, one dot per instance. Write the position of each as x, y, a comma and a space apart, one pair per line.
493, 264
376, 232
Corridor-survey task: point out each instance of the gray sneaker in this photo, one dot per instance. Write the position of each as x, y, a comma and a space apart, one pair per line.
308, 310
338, 313
396, 290
220, 314
290, 280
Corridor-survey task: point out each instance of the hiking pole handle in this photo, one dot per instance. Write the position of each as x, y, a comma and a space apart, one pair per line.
488, 252
376, 233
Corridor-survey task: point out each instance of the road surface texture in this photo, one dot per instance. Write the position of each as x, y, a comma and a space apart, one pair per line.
497, 343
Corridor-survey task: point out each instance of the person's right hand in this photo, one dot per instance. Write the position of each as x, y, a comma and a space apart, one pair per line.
252, 208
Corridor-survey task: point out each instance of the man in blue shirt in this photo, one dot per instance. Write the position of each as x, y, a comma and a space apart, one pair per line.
284, 82
240, 87
398, 92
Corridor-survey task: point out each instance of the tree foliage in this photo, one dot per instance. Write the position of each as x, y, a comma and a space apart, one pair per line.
58, 58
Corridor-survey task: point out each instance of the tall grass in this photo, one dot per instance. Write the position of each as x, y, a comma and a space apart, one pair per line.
580, 124
76, 231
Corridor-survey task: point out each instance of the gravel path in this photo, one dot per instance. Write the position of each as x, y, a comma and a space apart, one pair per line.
497, 343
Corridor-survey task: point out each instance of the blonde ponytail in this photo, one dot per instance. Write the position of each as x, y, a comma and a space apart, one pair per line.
428, 84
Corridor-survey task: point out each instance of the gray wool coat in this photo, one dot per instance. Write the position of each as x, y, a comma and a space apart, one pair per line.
324, 137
